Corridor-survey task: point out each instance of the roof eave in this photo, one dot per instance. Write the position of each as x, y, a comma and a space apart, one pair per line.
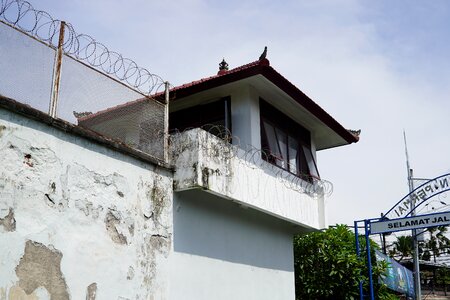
281, 82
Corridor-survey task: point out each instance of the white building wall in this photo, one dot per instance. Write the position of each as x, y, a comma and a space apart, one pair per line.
245, 118
79, 220
320, 200
225, 251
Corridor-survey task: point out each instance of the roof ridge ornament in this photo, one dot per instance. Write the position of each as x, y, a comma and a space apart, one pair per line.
223, 67
264, 54
355, 133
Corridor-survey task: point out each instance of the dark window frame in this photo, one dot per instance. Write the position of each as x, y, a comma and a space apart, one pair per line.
284, 130
205, 116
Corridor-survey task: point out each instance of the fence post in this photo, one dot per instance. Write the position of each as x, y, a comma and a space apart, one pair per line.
57, 72
166, 122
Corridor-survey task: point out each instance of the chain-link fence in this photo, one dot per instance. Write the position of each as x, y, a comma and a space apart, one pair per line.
46, 64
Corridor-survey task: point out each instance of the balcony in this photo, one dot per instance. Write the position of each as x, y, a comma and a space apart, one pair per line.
204, 161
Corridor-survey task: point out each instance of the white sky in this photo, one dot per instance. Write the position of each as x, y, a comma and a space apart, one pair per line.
378, 66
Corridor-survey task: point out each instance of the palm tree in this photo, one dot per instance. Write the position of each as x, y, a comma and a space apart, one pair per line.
437, 244
402, 247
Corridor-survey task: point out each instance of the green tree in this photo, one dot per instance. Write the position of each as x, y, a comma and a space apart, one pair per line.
327, 267
437, 243
402, 248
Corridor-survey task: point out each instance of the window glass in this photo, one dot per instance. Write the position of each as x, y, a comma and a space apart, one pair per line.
311, 163
286, 143
303, 165
282, 146
213, 117
272, 142
293, 155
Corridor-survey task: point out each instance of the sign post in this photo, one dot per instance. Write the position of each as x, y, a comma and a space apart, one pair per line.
410, 223
401, 217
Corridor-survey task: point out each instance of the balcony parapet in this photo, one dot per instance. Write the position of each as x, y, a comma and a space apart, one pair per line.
204, 161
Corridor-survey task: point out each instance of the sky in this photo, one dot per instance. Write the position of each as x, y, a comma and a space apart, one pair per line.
379, 66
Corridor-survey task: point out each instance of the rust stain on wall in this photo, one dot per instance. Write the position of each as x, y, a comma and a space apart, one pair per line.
40, 266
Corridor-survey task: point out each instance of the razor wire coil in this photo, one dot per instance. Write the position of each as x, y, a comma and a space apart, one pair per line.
228, 146
42, 26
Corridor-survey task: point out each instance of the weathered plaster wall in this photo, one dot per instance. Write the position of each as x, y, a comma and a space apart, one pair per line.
79, 220
225, 251
204, 161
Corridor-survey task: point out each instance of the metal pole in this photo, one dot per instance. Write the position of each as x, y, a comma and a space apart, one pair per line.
369, 260
417, 287
57, 72
383, 239
358, 253
166, 121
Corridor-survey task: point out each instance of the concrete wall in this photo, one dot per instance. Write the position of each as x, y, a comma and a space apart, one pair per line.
79, 220
225, 251
203, 160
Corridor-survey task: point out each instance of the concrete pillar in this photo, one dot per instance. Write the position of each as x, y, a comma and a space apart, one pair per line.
245, 118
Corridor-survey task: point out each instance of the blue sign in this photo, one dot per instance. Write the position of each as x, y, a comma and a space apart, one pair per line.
397, 277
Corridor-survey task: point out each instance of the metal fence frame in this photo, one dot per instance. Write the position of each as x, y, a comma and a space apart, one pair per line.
61, 37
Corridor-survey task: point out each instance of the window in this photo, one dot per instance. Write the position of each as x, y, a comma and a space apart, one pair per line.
213, 117
286, 144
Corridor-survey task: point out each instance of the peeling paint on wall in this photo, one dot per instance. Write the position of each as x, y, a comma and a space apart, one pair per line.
41, 266
28, 160
2, 128
111, 221
96, 206
17, 293
205, 177
91, 291
8, 222
130, 274
158, 197
154, 245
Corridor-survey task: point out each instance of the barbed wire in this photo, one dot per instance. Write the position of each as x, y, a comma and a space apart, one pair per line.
42, 26
229, 147
440, 204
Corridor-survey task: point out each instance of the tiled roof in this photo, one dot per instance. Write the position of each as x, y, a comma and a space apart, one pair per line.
160, 95
259, 67
264, 62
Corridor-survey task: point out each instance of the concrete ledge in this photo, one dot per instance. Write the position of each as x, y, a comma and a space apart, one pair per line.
32, 113
203, 161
